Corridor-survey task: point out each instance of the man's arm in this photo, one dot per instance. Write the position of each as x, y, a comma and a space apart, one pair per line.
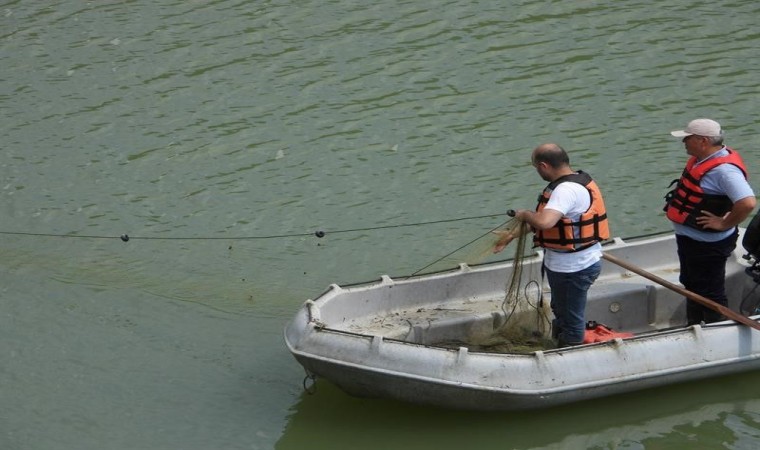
546, 219
740, 211
543, 220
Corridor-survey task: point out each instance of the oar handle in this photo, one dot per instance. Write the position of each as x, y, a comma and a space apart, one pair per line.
686, 293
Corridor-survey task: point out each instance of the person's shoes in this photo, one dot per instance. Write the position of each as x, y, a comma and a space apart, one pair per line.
563, 344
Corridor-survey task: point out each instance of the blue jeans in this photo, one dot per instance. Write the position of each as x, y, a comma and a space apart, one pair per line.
569, 293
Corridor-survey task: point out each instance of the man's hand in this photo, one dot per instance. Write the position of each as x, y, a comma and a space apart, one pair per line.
740, 211
505, 237
711, 221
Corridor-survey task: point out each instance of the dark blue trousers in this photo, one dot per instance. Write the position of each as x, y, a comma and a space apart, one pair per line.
703, 271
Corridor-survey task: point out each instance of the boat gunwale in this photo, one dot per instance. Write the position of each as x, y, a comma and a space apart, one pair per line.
320, 327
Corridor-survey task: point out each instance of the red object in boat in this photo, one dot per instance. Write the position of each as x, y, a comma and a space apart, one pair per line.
596, 332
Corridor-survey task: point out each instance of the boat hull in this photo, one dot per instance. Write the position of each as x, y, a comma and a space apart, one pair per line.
494, 382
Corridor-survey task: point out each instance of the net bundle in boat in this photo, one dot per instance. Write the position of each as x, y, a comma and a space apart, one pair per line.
525, 325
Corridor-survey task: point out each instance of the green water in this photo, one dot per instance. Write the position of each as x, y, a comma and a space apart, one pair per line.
220, 135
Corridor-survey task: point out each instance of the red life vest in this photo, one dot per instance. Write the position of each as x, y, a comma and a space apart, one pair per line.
566, 235
687, 201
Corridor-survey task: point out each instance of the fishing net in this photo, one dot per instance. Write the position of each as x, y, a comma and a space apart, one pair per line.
526, 315
526, 326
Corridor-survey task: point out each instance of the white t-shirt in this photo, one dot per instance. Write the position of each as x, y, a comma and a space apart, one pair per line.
572, 200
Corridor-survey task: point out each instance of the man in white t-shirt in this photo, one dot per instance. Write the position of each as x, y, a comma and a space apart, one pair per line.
569, 223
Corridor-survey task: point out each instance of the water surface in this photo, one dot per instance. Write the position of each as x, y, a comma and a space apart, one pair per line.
221, 135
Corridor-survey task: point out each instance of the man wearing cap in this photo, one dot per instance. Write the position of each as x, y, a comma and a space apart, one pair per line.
711, 199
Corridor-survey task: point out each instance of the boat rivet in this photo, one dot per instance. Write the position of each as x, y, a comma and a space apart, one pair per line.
614, 307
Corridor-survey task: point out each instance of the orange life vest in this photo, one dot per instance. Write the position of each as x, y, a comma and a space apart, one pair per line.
566, 235
685, 203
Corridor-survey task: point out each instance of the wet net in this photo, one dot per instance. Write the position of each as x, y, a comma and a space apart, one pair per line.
525, 326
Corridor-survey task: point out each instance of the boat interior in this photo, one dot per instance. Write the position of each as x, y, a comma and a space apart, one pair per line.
470, 305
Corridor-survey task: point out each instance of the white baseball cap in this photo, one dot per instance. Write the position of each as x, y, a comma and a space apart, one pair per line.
700, 127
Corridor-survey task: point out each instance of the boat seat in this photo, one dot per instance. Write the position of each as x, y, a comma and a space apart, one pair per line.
462, 327
622, 306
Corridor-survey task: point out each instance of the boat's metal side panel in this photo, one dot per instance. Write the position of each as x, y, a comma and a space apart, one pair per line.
360, 382
470, 285
377, 368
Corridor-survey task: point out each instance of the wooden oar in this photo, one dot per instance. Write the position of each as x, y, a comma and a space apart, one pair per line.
686, 293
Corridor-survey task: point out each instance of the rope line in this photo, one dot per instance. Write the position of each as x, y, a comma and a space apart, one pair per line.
461, 247
318, 233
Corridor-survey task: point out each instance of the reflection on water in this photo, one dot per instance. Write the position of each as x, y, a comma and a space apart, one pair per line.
666, 417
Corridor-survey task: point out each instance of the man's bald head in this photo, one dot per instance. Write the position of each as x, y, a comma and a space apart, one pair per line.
551, 154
